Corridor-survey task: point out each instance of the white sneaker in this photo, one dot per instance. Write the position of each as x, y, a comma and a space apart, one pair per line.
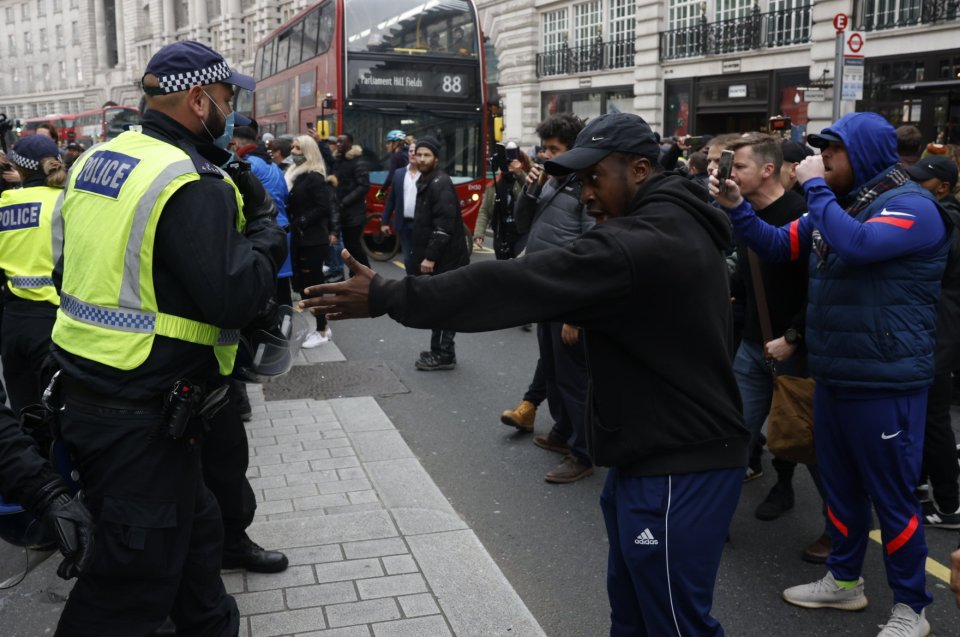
825, 593
904, 622
314, 339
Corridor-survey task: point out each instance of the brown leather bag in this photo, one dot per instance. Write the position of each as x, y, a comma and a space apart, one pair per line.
790, 422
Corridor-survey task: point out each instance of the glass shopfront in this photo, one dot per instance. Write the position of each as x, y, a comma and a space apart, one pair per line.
587, 103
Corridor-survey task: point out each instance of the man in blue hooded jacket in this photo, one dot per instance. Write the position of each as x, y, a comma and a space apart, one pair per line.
877, 246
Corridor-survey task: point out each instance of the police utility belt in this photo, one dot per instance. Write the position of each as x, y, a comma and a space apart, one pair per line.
178, 406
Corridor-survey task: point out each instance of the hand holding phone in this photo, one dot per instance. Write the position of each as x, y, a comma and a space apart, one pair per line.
724, 169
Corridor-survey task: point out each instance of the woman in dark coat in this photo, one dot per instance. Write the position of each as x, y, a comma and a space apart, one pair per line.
314, 222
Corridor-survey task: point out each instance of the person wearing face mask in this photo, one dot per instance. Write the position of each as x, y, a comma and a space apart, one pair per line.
165, 258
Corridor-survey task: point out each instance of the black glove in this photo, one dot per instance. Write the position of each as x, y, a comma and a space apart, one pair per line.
256, 202
68, 522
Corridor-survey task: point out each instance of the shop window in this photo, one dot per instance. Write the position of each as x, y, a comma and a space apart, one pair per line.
677, 116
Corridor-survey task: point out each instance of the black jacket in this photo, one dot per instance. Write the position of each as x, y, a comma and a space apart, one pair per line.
947, 354
438, 232
353, 183
554, 217
650, 290
203, 269
311, 208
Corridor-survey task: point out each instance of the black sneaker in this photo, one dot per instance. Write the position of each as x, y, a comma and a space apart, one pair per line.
778, 502
433, 362
934, 518
250, 556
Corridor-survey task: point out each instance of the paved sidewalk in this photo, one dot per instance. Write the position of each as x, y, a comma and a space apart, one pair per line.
374, 546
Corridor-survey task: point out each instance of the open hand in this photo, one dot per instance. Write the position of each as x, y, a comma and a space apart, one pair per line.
350, 299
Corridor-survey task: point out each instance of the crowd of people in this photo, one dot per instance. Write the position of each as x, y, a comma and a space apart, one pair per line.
842, 265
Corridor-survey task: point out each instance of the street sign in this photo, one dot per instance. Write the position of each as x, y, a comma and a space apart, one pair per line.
852, 78
840, 22
853, 44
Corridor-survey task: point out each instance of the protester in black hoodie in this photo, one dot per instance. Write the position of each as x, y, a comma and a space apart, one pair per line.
649, 287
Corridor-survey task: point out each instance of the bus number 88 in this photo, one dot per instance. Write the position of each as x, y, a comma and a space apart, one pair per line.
452, 84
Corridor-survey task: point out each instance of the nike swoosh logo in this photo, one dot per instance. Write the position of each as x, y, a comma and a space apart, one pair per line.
886, 437
596, 139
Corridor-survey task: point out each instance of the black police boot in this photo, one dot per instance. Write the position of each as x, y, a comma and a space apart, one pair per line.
248, 555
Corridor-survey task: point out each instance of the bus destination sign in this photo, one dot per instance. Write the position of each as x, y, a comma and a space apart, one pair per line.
370, 80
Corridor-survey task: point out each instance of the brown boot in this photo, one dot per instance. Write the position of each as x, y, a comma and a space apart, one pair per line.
570, 470
522, 417
552, 442
818, 550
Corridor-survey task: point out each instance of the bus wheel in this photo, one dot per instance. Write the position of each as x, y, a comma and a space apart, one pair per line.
379, 246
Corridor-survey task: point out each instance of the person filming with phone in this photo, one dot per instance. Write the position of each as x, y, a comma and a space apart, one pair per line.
876, 244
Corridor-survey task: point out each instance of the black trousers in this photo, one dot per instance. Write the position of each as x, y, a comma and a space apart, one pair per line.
353, 242
225, 458
158, 532
441, 342
24, 347
565, 373
308, 271
940, 446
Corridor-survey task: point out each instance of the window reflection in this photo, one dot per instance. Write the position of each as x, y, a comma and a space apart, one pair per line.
411, 27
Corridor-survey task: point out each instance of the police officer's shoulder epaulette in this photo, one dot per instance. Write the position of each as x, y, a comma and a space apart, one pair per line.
203, 165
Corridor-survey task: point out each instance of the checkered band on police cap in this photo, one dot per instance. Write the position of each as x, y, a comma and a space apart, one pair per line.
181, 65
183, 81
31, 150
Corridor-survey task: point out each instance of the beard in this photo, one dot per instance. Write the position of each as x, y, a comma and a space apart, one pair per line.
215, 123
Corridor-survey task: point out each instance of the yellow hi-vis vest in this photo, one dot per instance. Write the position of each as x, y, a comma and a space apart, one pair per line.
108, 305
26, 242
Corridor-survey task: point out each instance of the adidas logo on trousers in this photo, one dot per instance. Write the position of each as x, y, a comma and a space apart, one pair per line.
646, 538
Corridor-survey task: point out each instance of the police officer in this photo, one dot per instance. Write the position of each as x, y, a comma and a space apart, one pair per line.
26, 257
162, 264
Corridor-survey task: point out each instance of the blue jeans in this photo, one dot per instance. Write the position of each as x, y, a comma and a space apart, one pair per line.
755, 381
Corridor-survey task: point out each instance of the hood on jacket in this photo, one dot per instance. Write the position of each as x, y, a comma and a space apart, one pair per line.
871, 143
691, 197
354, 152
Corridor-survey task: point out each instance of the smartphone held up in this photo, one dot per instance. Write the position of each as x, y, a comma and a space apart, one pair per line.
724, 168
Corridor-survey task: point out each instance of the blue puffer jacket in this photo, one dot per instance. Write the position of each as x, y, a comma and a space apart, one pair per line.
874, 325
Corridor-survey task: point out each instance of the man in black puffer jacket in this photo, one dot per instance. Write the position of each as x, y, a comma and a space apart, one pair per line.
648, 285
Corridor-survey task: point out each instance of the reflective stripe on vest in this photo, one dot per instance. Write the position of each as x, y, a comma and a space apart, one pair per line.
109, 220
26, 242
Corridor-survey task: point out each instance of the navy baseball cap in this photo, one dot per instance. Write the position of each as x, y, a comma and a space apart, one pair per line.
31, 150
181, 65
795, 152
823, 139
610, 133
942, 168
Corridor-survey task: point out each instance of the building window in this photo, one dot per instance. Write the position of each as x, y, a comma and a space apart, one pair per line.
46, 75
75, 32
41, 7
733, 9
30, 76
9, 13
78, 68
12, 45
43, 39
555, 29
587, 18
24, 11
623, 19
74, 4
684, 13
16, 79
788, 22
59, 32
27, 42
181, 14
62, 72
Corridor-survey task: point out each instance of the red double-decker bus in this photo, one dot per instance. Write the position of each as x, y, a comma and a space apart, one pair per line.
101, 124
63, 124
367, 67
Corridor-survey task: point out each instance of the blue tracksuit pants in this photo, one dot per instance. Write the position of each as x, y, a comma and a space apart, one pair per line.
666, 537
870, 447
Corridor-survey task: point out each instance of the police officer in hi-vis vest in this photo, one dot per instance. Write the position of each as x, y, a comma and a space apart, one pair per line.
26, 258
162, 265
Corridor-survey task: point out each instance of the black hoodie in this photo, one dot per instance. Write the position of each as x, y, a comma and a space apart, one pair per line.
650, 290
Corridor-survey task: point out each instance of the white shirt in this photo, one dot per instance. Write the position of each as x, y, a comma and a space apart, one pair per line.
410, 193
